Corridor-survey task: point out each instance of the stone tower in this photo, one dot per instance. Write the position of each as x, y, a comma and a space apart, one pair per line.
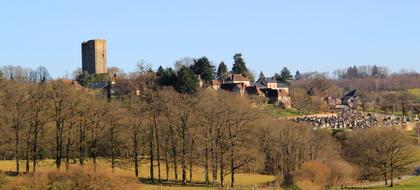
94, 56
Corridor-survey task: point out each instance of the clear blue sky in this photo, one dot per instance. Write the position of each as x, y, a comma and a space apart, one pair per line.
305, 35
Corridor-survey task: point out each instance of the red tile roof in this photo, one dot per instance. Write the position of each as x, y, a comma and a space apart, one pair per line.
214, 82
238, 77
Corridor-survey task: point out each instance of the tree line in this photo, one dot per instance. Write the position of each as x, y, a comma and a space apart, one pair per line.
170, 129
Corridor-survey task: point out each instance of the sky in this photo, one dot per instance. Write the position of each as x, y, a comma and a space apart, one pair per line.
301, 35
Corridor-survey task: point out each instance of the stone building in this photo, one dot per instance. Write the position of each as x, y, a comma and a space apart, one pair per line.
94, 56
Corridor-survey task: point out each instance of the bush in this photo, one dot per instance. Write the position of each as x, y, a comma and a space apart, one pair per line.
76, 178
3, 179
314, 175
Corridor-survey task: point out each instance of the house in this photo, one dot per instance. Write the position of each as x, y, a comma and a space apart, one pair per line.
234, 87
350, 99
415, 110
122, 87
276, 93
237, 79
332, 101
272, 83
254, 91
214, 84
278, 97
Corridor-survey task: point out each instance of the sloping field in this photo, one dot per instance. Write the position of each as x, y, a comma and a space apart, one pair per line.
243, 180
416, 92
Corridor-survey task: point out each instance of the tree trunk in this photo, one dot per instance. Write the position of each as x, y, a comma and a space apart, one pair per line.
68, 150
167, 157
17, 147
151, 154
58, 134
35, 150
81, 143
112, 149
385, 175
232, 157
232, 164
222, 177
94, 148
392, 175
135, 150
213, 152
157, 148
28, 144
191, 159
184, 152
174, 154
206, 164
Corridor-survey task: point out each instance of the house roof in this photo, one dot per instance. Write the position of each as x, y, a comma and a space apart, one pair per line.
237, 77
258, 85
270, 80
214, 82
98, 85
349, 95
282, 85
264, 81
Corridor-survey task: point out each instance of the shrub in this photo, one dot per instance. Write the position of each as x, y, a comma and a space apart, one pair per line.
315, 172
76, 178
3, 179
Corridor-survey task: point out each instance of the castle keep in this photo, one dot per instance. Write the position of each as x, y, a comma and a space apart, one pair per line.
94, 56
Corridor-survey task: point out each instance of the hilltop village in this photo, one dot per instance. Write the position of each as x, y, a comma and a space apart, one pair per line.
200, 73
276, 92
273, 90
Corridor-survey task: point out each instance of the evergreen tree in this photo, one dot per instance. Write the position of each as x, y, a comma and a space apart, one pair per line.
261, 75
352, 72
239, 66
186, 81
375, 71
167, 77
276, 77
85, 79
298, 76
160, 71
285, 76
204, 68
222, 71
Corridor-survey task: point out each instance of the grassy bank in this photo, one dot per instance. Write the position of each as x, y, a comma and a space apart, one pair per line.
124, 169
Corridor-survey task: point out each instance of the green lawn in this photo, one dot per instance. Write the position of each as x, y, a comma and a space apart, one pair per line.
415, 91
277, 112
409, 184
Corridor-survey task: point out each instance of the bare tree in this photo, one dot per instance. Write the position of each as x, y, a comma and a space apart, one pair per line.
390, 153
14, 102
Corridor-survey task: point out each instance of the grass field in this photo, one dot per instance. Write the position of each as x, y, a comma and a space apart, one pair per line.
416, 92
243, 180
409, 184
277, 112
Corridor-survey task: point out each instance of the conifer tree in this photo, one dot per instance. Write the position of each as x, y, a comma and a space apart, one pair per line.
222, 71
